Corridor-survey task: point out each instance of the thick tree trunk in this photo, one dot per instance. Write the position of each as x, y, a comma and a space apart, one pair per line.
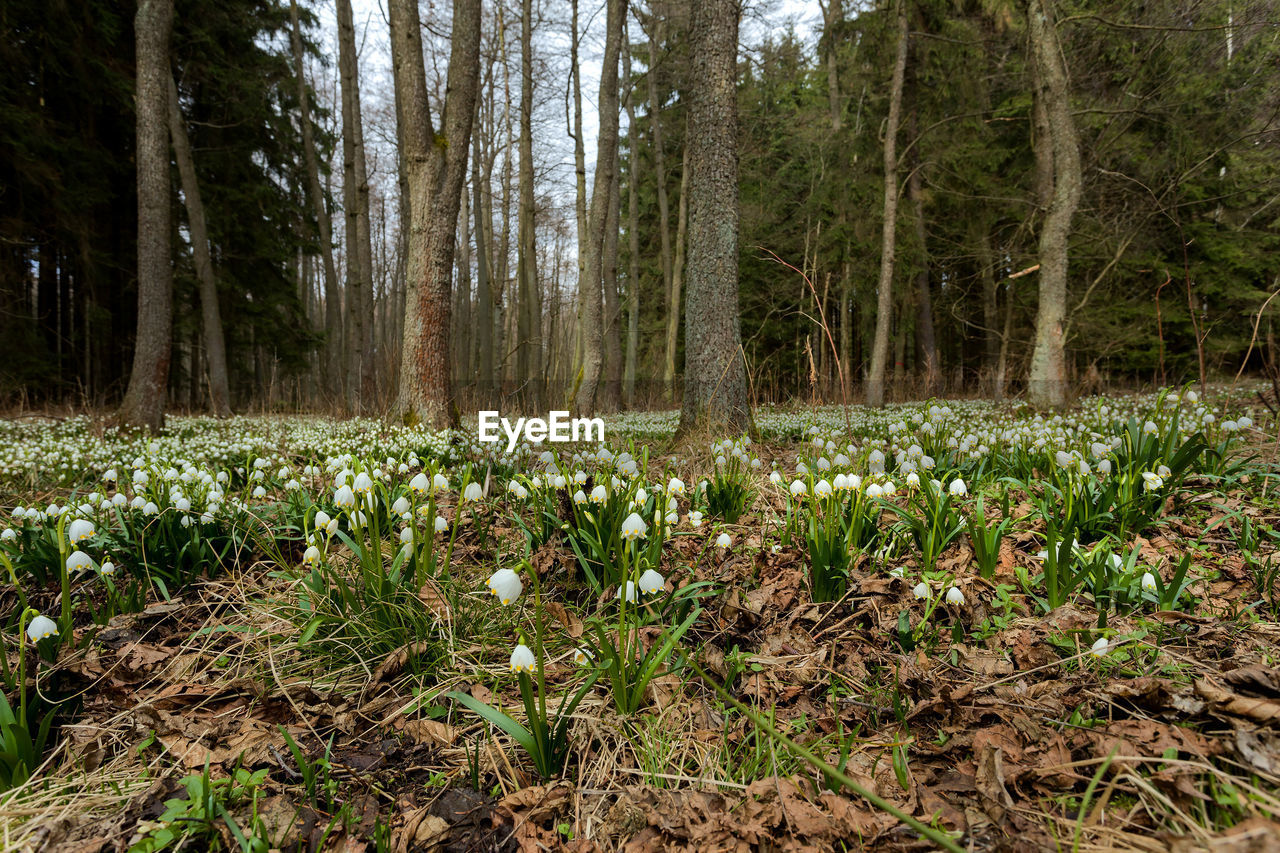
437, 165
884, 286
715, 376
633, 235
529, 309
1047, 382
324, 228
590, 288
144, 401
215, 345
355, 198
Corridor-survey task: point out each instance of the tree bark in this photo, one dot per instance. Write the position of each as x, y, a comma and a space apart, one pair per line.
462, 326
437, 165
677, 274
715, 377
355, 198
590, 287
1047, 382
484, 299
633, 235
884, 286
215, 343
144, 400
579, 170
324, 228
529, 307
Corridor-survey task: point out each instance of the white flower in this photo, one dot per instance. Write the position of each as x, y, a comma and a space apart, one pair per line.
311, 556
505, 585
723, 540
440, 482
401, 506
406, 535
260, 492
583, 657
344, 497
1100, 647
41, 627
921, 590
630, 594
107, 568
651, 582
675, 486
80, 530
363, 483
874, 491
822, 489
599, 495
522, 659
1151, 481
799, 489
1148, 582
633, 527
695, 518
441, 524
957, 488
149, 508
1163, 472
775, 477
913, 480
955, 596
419, 483
579, 497
9, 534
79, 560
473, 492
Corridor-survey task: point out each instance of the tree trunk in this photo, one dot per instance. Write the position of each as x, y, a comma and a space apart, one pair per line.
484, 299
462, 325
355, 197
579, 171
612, 309
144, 401
990, 310
926, 339
590, 287
437, 165
1047, 382
332, 308
677, 276
715, 377
884, 286
529, 307
664, 215
215, 345
633, 235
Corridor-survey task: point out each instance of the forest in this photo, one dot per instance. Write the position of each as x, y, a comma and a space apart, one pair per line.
288, 198
634, 425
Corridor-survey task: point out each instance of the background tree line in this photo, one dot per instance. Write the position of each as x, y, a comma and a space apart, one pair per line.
935, 196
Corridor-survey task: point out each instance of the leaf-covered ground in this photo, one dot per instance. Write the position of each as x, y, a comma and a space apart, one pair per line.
247, 709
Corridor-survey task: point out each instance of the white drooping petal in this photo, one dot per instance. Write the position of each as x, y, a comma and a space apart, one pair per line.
505, 585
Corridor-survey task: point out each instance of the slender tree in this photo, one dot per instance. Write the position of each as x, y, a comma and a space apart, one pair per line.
715, 377
590, 287
1047, 382
633, 231
437, 166
211, 316
884, 286
664, 226
529, 304
324, 226
144, 400
355, 199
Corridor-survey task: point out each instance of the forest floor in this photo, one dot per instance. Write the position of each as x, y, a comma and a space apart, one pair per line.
1058, 653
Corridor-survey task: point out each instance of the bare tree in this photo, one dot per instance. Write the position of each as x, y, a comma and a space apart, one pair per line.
529, 302
437, 166
1047, 382
589, 288
884, 286
715, 377
144, 400
355, 198
214, 342
633, 232
664, 224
